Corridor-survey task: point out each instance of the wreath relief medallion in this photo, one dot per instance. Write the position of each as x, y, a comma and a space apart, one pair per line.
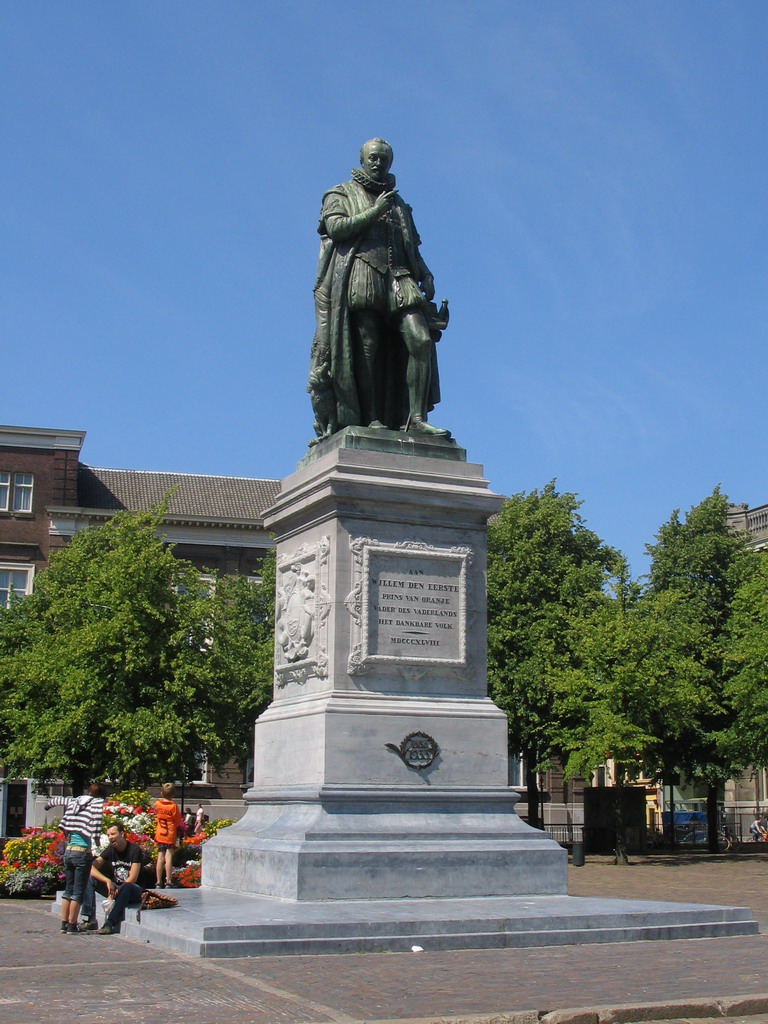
417, 750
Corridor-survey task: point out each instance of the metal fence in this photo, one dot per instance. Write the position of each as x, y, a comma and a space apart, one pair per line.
566, 835
733, 825
733, 831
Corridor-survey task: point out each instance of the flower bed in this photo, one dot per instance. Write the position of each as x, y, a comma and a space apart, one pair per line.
134, 809
188, 877
189, 874
33, 865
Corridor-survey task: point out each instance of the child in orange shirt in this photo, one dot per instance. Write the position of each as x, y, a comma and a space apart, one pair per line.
168, 819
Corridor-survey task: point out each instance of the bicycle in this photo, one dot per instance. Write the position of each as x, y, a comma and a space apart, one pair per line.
726, 843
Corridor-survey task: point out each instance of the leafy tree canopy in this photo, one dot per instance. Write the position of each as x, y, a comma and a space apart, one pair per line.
546, 571
634, 687
704, 565
702, 559
747, 659
123, 664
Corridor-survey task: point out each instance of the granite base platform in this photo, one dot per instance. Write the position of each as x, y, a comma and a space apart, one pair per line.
216, 923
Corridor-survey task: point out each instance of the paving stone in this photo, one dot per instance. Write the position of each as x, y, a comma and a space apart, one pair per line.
46, 978
570, 1017
744, 1006
692, 1009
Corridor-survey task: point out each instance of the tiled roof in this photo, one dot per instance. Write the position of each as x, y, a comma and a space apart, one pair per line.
206, 497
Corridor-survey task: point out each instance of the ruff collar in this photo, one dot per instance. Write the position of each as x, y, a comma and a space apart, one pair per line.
377, 187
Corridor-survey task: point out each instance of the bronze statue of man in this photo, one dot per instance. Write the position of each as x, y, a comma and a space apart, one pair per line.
373, 360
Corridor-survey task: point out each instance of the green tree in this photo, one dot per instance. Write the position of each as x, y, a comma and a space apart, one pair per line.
546, 571
122, 664
240, 655
704, 564
747, 686
633, 688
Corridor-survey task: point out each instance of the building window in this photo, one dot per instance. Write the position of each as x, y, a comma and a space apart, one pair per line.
22, 492
207, 586
16, 492
515, 772
16, 580
202, 773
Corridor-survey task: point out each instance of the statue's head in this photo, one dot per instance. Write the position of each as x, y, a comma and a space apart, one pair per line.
376, 158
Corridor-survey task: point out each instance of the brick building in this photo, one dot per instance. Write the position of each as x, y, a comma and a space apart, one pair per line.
47, 494
38, 468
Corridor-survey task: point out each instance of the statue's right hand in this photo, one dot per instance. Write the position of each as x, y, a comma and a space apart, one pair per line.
383, 203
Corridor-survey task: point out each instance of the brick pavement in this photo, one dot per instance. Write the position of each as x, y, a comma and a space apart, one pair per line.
732, 879
47, 978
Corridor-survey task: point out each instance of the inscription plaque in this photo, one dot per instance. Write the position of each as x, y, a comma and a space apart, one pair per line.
412, 603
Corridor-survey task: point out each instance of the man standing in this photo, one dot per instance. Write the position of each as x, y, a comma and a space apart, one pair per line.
116, 873
373, 358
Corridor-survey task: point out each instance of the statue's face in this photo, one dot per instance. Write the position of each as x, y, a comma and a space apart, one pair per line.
376, 160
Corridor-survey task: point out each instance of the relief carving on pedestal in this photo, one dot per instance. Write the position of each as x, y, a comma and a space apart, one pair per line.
302, 604
418, 750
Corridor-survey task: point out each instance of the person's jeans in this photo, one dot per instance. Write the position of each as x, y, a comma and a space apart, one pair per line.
129, 894
77, 868
89, 900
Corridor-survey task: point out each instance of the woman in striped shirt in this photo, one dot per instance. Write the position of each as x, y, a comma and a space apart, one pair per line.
81, 825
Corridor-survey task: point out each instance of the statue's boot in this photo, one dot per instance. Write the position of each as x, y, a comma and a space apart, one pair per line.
417, 425
376, 425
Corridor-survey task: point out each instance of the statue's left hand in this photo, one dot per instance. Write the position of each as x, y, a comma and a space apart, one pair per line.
428, 287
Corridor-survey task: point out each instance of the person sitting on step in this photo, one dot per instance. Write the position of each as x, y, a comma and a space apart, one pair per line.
116, 874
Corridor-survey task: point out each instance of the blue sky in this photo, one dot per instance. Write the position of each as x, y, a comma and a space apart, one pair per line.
588, 178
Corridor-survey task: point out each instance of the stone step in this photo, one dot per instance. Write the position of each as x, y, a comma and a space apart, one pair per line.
227, 925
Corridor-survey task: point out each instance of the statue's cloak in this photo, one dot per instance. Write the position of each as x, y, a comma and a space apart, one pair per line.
332, 369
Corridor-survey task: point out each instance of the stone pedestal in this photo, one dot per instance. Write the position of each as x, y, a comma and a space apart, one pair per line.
380, 768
